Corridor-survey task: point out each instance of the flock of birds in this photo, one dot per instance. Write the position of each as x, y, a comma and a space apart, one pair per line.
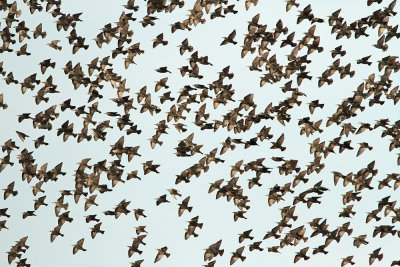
93, 179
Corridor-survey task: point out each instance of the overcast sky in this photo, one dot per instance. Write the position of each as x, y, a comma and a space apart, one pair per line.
164, 226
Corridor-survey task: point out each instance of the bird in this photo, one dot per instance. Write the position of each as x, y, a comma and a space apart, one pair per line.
301, 255
161, 252
78, 246
148, 167
95, 230
54, 44
213, 250
161, 199
184, 46
184, 206
278, 143
3, 225
290, 4
163, 70
347, 260
229, 39
10, 191
375, 255
245, 235
138, 213
55, 232
237, 255
159, 40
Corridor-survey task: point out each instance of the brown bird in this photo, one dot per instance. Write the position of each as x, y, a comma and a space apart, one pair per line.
364, 60
130, 5
278, 143
90, 201
184, 46
140, 229
91, 218
301, 255
184, 206
161, 252
28, 213
3, 225
360, 240
39, 202
137, 263
290, 4
375, 255
22, 136
174, 193
39, 32
55, 232
22, 51
347, 260
2, 104
78, 246
245, 235
162, 70
229, 39
10, 191
162, 199
213, 251
95, 230
159, 40
148, 167
3, 212
54, 44
138, 213
237, 255
363, 147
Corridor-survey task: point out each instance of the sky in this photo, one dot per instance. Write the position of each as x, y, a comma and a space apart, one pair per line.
164, 226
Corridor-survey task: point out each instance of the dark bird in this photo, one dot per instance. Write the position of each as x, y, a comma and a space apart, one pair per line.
229, 39
3, 225
301, 255
10, 191
278, 143
174, 193
290, 4
138, 213
159, 40
184, 46
78, 246
163, 70
364, 60
95, 230
161, 199
237, 255
148, 167
2, 104
54, 44
55, 232
184, 206
245, 235
161, 252
213, 251
347, 260
375, 255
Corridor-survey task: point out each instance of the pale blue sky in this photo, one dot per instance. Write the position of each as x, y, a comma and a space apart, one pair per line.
163, 224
